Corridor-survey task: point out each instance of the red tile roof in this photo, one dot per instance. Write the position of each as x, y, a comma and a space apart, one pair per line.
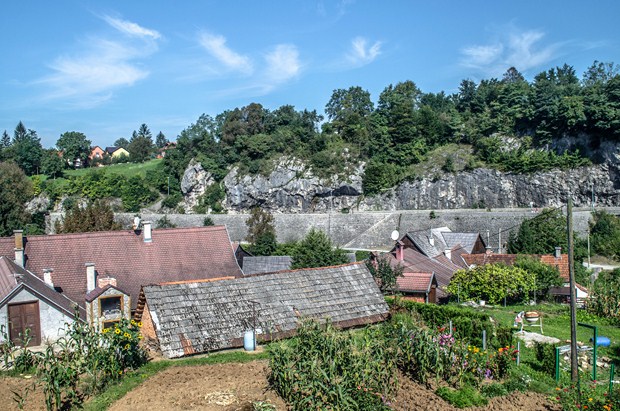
176, 254
412, 282
560, 263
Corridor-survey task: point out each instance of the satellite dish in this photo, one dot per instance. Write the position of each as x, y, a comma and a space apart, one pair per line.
395, 235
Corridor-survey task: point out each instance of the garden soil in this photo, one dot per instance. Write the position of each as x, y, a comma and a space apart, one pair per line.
232, 387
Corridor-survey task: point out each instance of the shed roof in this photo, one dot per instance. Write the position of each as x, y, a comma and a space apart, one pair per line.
204, 316
174, 254
266, 264
416, 282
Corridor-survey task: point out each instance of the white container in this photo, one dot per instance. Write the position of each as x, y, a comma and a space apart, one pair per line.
482, 303
249, 344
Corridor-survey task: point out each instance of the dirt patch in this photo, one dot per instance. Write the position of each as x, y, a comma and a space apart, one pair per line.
414, 396
10, 385
219, 387
234, 387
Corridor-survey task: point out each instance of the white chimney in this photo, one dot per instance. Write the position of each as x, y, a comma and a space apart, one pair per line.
448, 253
47, 277
91, 277
19, 247
558, 252
431, 240
148, 234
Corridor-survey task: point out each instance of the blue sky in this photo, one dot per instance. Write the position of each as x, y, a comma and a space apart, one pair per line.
105, 67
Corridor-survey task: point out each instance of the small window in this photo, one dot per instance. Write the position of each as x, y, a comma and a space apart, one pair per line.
109, 324
110, 306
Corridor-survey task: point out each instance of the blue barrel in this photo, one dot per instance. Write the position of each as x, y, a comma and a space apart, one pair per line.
602, 341
248, 341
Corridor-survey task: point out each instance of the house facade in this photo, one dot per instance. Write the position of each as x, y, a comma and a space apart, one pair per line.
103, 272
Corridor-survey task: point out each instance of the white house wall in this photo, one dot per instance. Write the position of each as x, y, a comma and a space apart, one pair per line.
52, 321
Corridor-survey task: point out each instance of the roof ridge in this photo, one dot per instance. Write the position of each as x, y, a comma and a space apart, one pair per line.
305, 269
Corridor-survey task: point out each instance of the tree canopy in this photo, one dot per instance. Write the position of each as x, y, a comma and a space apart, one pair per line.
15, 191
317, 250
74, 145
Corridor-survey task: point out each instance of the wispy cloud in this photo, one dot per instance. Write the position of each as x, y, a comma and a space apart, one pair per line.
523, 49
282, 63
101, 65
131, 28
362, 53
215, 45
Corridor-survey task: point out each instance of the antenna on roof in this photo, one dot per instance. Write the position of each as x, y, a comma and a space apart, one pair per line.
395, 235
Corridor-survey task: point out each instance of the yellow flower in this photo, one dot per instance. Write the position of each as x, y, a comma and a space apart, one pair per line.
117, 331
127, 335
105, 330
590, 399
127, 346
140, 337
140, 324
500, 349
133, 322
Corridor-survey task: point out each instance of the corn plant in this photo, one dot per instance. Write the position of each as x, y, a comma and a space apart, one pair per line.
324, 368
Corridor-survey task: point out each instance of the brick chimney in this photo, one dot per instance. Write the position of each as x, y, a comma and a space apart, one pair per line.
47, 277
91, 277
148, 231
488, 250
399, 251
19, 247
102, 282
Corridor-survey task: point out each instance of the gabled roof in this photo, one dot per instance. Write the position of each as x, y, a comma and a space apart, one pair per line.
92, 295
465, 240
175, 254
560, 263
205, 316
416, 282
111, 149
14, 278
266, 264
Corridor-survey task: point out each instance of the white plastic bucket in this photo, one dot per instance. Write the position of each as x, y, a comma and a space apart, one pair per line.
248, 341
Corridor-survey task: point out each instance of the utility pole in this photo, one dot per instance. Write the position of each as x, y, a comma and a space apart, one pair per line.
574, 371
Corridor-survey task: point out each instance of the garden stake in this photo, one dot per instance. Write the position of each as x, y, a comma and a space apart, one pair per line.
518, 353
484, 340
450, 327
557, 364
611, 380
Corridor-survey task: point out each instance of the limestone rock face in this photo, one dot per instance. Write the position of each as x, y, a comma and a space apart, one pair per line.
292, 187
194, 183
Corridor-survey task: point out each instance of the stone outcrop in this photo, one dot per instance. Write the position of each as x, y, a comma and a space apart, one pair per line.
294, 188
194, 183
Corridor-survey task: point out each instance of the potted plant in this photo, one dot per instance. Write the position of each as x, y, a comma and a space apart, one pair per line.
532, 316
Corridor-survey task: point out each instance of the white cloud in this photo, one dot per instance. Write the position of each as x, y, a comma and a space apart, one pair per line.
520, 49
282, 63
131, 28
361, 53
216, 47
101, 65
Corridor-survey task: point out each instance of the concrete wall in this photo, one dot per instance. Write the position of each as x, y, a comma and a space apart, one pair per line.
371, 230
52, 321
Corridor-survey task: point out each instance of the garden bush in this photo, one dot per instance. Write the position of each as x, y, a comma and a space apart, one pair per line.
462, 398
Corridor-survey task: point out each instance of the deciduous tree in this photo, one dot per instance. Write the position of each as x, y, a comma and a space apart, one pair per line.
74, 145
15, 191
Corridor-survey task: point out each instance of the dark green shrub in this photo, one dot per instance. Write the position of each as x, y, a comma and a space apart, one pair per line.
172, 200
493, 390
545, 354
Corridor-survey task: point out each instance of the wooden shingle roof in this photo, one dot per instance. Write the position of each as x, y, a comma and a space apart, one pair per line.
198, 317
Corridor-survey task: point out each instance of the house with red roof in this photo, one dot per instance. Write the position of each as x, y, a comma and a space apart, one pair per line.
103, 271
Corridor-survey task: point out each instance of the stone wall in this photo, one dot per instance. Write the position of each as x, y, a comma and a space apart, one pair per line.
371, 230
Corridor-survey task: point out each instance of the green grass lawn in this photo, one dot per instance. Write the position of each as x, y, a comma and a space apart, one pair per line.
126, 169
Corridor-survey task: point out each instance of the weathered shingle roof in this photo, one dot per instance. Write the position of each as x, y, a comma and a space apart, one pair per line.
266, 264
466, 240
14, 277
204, 316
175, 254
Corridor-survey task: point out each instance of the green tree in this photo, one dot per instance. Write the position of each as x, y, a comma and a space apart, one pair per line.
546, 275
161, 140
492, 283
541, 234
74, 145
261, 232
349, 111
26, 149
5, 144
317, 250
52, 163
141, 144
15, 191
604, 298
96, 216
385, 275
122, 142
605, 234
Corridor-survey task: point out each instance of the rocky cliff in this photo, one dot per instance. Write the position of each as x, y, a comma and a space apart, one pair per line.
293, 188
